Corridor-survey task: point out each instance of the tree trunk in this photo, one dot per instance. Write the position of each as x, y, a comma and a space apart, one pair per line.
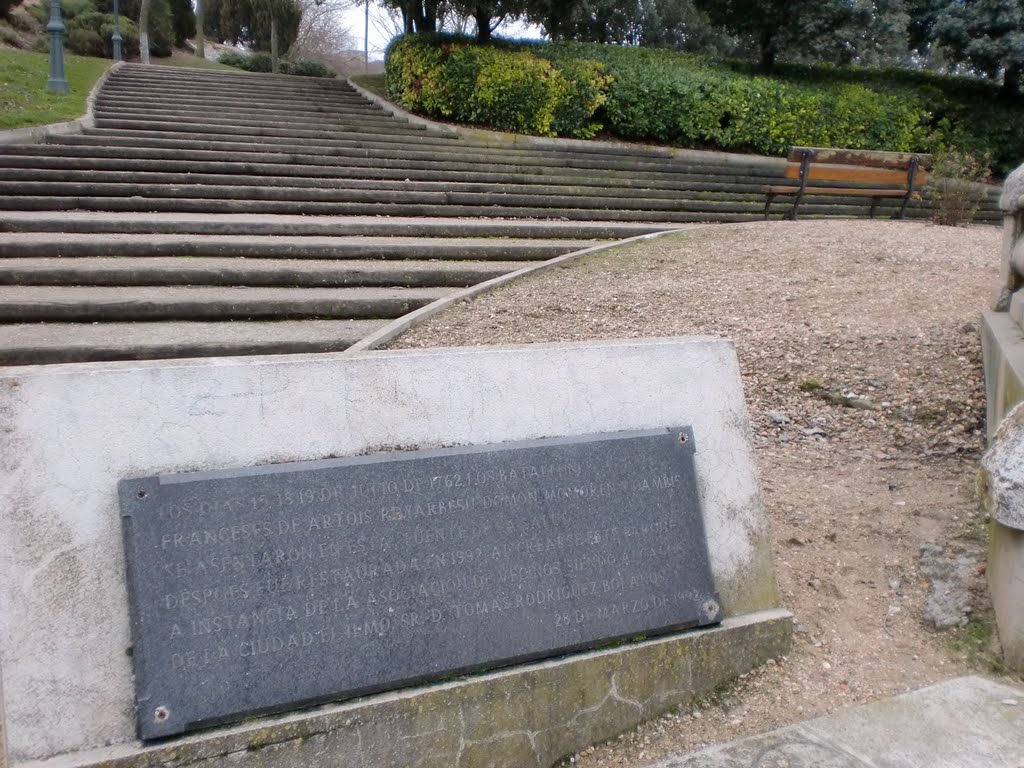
767, 62
200, 31
1011, 82
275, 63
482, 16
144, 31
558, 20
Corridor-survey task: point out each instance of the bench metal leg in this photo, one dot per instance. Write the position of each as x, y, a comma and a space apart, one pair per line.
768, 205
903, 207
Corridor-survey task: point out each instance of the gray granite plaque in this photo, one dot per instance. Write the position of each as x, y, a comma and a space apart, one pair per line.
269, 588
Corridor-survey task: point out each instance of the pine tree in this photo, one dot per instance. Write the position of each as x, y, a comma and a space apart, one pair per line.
987, 36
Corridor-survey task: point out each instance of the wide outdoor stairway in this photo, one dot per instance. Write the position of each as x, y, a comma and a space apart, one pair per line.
211, 213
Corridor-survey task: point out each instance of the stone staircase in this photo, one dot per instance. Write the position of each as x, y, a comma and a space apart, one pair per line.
210, 213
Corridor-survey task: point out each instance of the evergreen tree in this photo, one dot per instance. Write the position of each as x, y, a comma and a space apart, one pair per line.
986, 35
183, 20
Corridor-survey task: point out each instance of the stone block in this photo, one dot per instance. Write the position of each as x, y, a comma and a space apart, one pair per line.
73, 432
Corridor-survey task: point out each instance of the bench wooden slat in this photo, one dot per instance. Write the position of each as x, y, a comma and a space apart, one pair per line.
838, 191
828, 172
862, 157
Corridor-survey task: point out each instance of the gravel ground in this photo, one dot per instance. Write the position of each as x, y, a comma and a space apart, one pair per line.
859, 346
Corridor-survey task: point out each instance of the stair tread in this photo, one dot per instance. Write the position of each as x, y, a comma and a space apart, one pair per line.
37, 343
255, 223
171, 270
12, 295
341, 242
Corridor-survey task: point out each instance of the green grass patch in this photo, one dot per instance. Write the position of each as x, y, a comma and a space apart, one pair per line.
187, 61
24, 100
811, 384
373, 83
976, 643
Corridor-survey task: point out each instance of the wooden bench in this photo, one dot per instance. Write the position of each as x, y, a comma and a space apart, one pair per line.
890, 174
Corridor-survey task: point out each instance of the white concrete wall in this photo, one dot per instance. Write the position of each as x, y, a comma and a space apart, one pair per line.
71, 432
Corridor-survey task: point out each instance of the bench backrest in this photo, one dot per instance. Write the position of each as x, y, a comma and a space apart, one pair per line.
857, 165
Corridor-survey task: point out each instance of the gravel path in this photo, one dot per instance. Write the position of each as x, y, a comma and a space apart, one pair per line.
859, 346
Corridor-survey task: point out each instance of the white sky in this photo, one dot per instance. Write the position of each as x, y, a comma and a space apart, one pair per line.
382, 29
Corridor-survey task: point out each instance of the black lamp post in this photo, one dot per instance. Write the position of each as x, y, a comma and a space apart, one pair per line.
116, 37
57, 82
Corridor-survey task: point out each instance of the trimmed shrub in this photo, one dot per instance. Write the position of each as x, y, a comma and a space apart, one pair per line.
255, 62
686, 100
955, 186
232, 59
495, 85
88, 34
694, 101
262, 62
259, 62
8, 36
309, 68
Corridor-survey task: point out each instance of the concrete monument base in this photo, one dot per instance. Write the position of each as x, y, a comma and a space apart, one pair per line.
72, 432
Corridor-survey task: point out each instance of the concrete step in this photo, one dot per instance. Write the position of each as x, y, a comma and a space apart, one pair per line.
180, 139
251, 127
176, 119
968, 722
197, 104
36, 245
246, 84
178, 92
113, 158
340, 146
253, 225
263, 199
38, 344
706, 211
561, 187
372, 197
41, 168
269, 273
85, 146
457, 156
21, 304
83, 222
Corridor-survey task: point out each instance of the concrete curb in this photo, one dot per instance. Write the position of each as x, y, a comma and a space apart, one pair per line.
405, 322
37, 134
507, 139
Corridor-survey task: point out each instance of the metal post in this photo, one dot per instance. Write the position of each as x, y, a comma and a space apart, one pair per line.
57, 82
366, 39
116, 38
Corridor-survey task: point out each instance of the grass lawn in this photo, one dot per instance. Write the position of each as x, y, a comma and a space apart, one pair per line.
189, 61
373, 83
24, 100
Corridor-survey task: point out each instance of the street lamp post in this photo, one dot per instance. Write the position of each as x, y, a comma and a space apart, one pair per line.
116, 38
57, 82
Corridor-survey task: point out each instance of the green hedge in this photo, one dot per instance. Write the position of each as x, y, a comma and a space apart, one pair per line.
261, 62
687, 100
573, 89
495, 85
89, 33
